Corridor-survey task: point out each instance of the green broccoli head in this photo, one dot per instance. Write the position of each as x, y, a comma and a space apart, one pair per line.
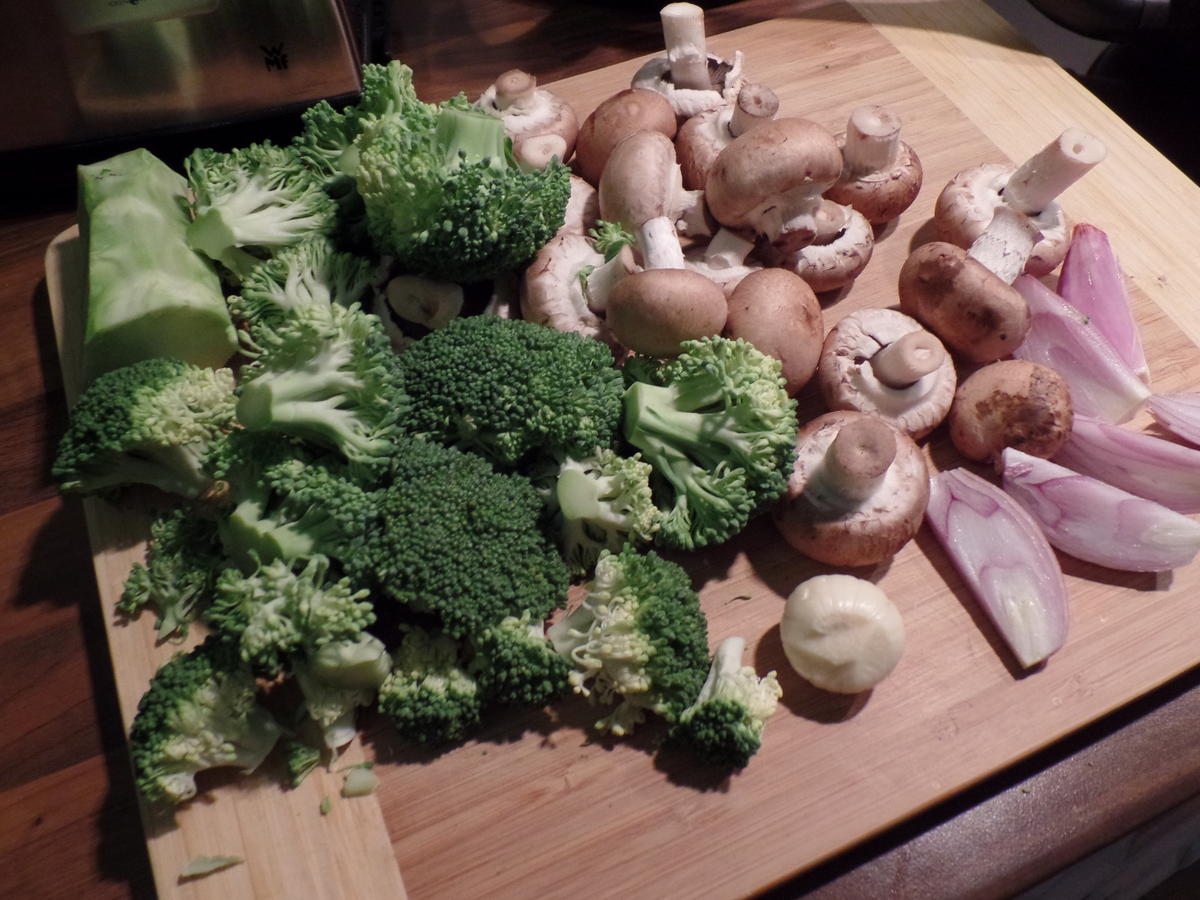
152, 422
200, 712
514, 663
719, 429
429, 696
326, 374
724, 727
639, 636
453, 537
253, 201
184, 556
602, 502
448, 201
313, 272
513, 390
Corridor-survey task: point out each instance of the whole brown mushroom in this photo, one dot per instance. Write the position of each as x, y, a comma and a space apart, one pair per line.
531, 114
857, 492
838, 254
702, 138
653, 311
617, 117
777, 312
881, 174
1012, 403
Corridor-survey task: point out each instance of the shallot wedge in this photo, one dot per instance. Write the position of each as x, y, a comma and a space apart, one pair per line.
1064, 339
1096, 522
1148, 466
1178, 413
1004, 558
1091, 280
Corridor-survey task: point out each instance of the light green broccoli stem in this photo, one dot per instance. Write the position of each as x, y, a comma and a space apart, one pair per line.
177, 469
728, 679
470, 136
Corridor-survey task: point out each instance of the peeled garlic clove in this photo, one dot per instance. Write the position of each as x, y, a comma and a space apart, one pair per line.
841, 633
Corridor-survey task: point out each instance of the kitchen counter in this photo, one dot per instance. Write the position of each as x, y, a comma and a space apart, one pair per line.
1112, 807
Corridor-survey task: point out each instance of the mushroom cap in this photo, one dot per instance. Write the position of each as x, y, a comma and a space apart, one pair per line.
583, 207
814, 519
544, 113
653, 311
967, 203
699, 142
726, 77
551, 293
641, 180
617, 117
848, 380
965, 304
757, 167
777, 312
835, 264
881, 196
1012, 403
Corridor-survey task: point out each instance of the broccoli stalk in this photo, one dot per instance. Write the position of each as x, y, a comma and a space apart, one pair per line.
429, 696
724, 727
200, 712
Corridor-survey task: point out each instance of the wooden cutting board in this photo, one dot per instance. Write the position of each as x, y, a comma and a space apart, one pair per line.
537, 805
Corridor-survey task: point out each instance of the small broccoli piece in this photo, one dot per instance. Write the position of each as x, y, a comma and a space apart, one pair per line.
308, 273
639, 635
326, 374
200, 712
183, 559
602, 502
724, 727
609, 237
455, 538
515, 663
429, 696
302, 759
339, 677
719, 429
447, 199
253, 201
512, 390
152, 422
288, 502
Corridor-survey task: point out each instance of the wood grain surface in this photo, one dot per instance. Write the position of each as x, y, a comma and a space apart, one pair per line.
833, 770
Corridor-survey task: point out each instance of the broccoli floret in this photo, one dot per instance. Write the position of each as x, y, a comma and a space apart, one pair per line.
512, 390
312, 272
639, 635
152, 422
609, 237
449, 201
289, 502
252, 201
326, 374
719, 429
183, 559
515, 663
200, 712
429, 696
455, 538
301, 759
602, 502
724, 727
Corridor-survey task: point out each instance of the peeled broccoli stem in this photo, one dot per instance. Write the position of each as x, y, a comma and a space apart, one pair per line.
471, 136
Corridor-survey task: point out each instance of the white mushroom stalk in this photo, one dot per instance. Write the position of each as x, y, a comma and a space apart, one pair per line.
872, 140
881, 174
1039, 181
1006, 244
1148, 466
1096, 522
855, 464
728, 249
1064, 339
907, 360
687, 47
1005, 561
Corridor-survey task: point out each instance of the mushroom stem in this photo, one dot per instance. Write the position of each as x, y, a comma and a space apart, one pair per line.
789, 221
1053, 169
659, 244
691, 215
859, 457
599, 282
727, 249
831, 221
515, 88
908, 359
756, 103
872, 141
1006, 244
535, 153
687, 48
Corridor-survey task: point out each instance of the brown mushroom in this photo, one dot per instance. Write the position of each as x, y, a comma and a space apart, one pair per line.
967, 203
976, 313
1012, 403
553, 293
583, 207
653, 311
702, 137
530, 112
771, 178
840, 251
881, 174
617, 117
777, 312
882, 362
857, 492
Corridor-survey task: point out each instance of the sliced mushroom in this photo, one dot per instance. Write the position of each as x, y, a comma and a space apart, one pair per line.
857, 492
554, 291
778, 313
1011, 403
881, 174
531, 113
702, 137
613, 120
653, 311
882, 362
